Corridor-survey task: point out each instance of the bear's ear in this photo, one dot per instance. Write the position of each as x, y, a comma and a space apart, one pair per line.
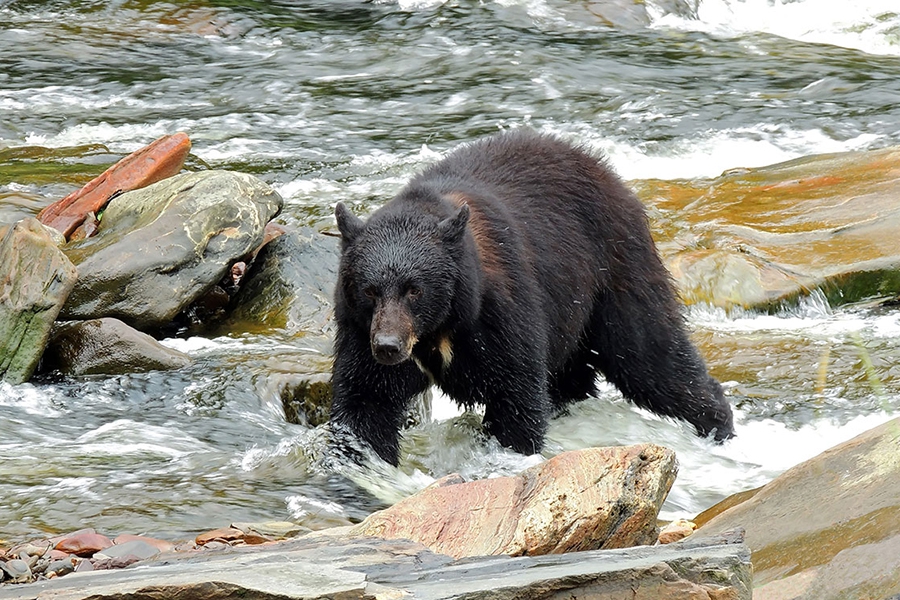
348, 224
452, 228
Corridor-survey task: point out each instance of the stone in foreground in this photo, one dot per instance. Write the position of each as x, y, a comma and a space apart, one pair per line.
35, 279
160, 248
828, 528
580, 500
341, 568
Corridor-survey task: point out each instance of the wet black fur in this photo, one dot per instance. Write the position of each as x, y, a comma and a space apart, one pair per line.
573, 286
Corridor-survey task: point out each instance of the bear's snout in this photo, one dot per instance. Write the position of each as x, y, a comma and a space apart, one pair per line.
393, 333
388, 349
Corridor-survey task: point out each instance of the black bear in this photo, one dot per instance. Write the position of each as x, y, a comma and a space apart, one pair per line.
509, 274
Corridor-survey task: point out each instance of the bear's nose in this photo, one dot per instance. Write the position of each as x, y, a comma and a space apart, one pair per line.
387, 349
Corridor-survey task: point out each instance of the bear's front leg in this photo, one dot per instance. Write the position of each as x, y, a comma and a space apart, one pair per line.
370, 399
509, 378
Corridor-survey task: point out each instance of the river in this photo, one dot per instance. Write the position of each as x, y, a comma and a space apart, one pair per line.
343, 100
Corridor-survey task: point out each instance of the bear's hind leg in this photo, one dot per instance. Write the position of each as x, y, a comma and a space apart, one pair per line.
642, 347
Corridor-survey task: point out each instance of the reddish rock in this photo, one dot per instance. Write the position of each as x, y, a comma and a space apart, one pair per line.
161, 545
84, 544
161, 159
584, 500
223, 534
675, 531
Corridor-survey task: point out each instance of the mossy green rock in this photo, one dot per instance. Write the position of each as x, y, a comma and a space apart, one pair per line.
35, 279
160, 248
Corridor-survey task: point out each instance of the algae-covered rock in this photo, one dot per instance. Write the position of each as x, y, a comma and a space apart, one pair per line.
35, 279
757, 237
290, 284
160, 248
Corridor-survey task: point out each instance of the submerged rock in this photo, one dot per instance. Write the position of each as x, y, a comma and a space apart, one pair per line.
581, 500
160, 248
106, 347
828, 528
758, 237
35, 280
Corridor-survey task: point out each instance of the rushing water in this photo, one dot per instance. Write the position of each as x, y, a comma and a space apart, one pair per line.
344, 100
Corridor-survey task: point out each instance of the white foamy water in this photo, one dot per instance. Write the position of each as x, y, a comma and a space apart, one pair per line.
872, 26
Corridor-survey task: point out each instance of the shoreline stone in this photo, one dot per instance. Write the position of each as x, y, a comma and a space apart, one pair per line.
35, 280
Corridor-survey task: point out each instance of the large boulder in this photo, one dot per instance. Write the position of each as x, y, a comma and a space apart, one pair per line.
35, 279
757, 237
290, 285
828, 528
580, 500
106, 347
160, 248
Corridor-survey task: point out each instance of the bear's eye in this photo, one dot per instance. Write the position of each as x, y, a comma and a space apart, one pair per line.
370, 292
413, 292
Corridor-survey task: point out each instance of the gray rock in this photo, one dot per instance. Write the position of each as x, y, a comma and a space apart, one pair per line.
160, 248
342, 568
106, 347
17, 570
35, 279
138, 548
291, 283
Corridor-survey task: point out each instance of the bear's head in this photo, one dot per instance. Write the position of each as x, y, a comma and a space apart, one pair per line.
399, 273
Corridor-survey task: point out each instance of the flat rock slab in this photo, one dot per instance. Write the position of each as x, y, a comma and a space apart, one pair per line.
161, 159
160, 248
337, 567
35, 280
581, 500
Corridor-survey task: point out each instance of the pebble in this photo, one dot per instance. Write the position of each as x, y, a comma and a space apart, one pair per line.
60, 567
84, 544
17, 570
138, 548
223, 534
675, 531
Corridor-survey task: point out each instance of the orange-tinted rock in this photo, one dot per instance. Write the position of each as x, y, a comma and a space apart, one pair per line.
675, 531
161, 159
84, 544
224, 534
754, 238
